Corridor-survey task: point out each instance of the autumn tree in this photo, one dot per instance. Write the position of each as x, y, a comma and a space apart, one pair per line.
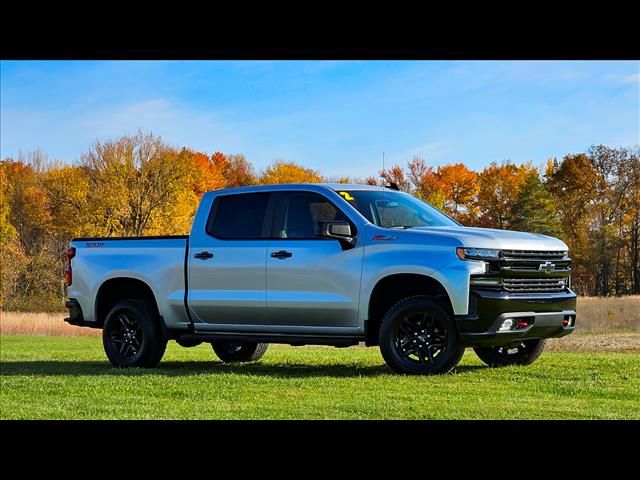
459, 186
372, 181
29, 259
632, 219
613, 182
136, 181
596, 193
10, 251
288, 172
426, 183
206, 171
238, 172
499, 189
396, 175
572, 183
7, 230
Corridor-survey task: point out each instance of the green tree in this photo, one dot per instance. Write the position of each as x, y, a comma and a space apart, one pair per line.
535, 210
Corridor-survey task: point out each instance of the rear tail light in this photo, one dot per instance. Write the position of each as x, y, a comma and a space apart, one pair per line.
68, 274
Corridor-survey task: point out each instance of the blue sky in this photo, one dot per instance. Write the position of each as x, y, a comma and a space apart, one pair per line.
337, 117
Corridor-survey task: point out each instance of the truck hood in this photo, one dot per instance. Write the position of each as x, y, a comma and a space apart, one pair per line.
473, 237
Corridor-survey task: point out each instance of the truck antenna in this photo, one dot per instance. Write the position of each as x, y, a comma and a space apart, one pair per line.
383, 189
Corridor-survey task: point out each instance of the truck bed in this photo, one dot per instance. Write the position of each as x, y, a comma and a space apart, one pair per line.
158, 261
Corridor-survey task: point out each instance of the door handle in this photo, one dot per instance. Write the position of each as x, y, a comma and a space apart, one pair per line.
282, 254
203, 255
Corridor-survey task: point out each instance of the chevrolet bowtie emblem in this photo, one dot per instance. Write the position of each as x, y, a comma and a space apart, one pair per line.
547, 267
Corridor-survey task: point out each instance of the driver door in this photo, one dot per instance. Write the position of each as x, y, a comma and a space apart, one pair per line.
311, 281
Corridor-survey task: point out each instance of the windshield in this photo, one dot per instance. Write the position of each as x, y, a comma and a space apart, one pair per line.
395, 209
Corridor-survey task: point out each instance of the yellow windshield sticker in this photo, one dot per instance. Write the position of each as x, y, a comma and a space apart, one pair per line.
346, 195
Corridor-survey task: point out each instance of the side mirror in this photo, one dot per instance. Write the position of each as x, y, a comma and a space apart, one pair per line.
338, 230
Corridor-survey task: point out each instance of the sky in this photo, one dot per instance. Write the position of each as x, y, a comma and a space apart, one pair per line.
334, 116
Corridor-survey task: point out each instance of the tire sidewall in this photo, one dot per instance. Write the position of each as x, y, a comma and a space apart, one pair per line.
491, 356
249, 351
453, 350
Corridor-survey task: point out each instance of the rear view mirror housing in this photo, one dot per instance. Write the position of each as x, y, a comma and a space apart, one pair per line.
338, 230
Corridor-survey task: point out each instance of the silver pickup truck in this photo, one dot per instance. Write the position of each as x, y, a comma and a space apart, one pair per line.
327, 264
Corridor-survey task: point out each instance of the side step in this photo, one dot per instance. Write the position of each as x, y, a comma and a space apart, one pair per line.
294, 340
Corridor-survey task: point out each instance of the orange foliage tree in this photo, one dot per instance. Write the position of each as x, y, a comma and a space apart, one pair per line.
460, 187
396, 175
499, 190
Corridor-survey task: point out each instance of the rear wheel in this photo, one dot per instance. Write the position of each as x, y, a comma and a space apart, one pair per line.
229, 351
523, 353
132, 336
418, 336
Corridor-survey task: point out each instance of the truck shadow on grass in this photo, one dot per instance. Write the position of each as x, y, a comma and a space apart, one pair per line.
171, 369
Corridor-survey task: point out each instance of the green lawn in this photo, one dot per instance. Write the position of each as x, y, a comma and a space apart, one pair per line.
69, 378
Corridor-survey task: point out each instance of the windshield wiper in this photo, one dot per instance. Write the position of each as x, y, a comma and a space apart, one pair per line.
403, 227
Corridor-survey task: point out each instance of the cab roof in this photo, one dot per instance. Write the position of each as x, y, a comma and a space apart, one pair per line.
291, 186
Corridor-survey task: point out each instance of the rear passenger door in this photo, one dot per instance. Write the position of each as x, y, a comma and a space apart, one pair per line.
311, 281
227, 271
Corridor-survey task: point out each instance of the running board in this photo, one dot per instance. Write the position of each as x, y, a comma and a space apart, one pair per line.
294, 340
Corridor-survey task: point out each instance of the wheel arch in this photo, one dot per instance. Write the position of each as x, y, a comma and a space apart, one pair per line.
392, 288
117, 289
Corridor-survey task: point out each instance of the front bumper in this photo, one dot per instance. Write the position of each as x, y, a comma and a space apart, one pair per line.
546, 316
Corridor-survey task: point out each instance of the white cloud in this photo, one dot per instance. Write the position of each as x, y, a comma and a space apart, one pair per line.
621, 79
431, 150
634, 78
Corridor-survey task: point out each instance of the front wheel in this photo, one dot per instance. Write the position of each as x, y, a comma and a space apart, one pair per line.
230, 352
418, 336
523, 353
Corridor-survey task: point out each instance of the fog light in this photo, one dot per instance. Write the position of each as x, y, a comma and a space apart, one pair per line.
567, 321
506, 325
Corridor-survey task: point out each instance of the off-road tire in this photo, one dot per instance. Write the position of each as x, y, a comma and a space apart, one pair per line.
145, 347
408, 323
231, 352
528, 351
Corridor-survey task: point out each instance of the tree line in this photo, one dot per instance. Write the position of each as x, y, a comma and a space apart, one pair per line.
140, 185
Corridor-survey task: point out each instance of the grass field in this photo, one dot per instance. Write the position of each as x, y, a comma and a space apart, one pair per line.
47, 377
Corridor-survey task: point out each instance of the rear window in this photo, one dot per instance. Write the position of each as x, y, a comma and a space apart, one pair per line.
239, 216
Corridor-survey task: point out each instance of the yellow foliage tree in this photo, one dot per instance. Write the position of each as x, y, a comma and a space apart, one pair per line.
137, 182
289, 172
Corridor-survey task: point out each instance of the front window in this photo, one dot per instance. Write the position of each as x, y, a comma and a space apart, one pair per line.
395, 209
304, 211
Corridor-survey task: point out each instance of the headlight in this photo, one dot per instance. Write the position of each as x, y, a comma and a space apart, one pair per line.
477, 253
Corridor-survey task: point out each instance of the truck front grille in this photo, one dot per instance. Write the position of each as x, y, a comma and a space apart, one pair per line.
534, 285
534, 254
532, 261
532, 272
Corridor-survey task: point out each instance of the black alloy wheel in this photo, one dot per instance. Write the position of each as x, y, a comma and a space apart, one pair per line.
132, 335
418, 336
127, 335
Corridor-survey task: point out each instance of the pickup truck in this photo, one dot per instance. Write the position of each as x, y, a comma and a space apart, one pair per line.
324, 264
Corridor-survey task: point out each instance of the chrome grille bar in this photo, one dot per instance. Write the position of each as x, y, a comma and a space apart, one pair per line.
532, 285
